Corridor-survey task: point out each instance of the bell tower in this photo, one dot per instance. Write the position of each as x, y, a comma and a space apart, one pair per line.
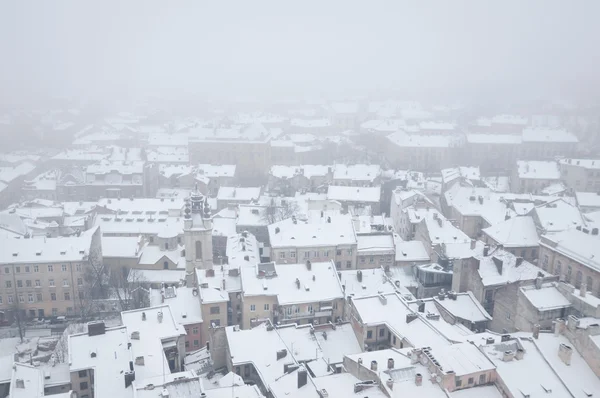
197, 232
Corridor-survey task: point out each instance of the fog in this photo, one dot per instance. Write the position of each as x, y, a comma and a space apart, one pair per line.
274, 49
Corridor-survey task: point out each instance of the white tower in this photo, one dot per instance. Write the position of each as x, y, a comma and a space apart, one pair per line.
197, 236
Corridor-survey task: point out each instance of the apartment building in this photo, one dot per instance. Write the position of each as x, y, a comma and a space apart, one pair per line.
291, 293
492, 151
375, 250
206, 178
517, 235
572, 256
290, 179
43, 277
357, 200
330, 238
423, 152
120, 179
532, 176
541, 143
357, 175
581, 174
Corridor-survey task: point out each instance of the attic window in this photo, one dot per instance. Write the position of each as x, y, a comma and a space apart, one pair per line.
38, 253
63, 252
15, 254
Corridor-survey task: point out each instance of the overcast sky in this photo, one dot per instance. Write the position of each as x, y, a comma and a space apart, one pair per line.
104, 49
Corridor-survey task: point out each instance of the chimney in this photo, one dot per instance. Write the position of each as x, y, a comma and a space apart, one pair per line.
520, 353
536, 331
374, 366
390, 363
281, 354
411, 317
302, 377
390, 384
96, 328
538, 283
559, 325
418, 379
143, 316
421, 306
308, 265
498, 264
564, 353
159, 316
508, 356
223, 284
473, 244
135, 335
486, 250
583, 290
359, 275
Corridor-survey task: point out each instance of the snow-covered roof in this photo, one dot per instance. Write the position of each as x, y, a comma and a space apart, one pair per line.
320, 283
152, 254
26, 381
558, 216
166, 139
514, 232
110, 362
238, 193
411, 251
547, 298
307, 170
121, 247
168, 154
371, 243
356, 172
310, 123
501, 267
171, 385
242, 250
9, 173
404, 139
467, 172
576, 245
542, 134
345, 107
465, 306
286, 233
111, 224
440, 230
120, 167
370, 282
184, 303
538, 170
588, 199
46, 250
503, 139
593, 164
384, 125
153, 276
354, 194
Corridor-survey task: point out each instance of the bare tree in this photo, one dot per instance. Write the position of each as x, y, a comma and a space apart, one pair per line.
274, 213
61, 351
18, 317
129, 290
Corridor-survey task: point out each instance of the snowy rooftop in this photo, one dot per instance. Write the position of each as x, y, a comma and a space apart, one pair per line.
546, 298
588, 199
168, 154
380, 243
469, 173
514, 232
320, 283
144, 206
9, 173
384, 125
356, 172
110, 362
220, 276
26, 381
138, 225
403, 139
286, 233
411, 251
156, 276
165, 139
306, 170
465, 306
242, 250
537, 169
542, 134
576, 245
481, 202
558, 216
174, 385
506, 139
185, 305
152, 254
354, 194
440, 230
371, 282
121, 247
501, 267
120, 167
310, 123
46, 250
585, 163
238, 193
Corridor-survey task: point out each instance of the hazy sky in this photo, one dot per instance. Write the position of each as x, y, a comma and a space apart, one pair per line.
106, 49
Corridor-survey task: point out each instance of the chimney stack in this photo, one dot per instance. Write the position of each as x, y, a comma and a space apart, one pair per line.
565, 353
390, 363
536, 331
302, 377
473, 244
418, 379
374, 366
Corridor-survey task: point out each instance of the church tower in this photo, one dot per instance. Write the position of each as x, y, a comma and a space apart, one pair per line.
197, 230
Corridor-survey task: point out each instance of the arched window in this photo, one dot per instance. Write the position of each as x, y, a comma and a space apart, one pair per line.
557, 270
589, 284
166, 245
578, 278
569, 272
198, 250
166, 265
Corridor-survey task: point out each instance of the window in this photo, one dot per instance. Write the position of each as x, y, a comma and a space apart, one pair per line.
578, 279
215, 322
558, 269
381, 332
64, 268
53, 296
316, 254
369, 334
545, 262
569, 272
338, 252
39, 297
523, 253
371, 259
50, 268
82, 373
79, 282
458, 382
394, 340
195, 330
0, 299
198, 250
8, 284
67, 296
281, 255
7, 270
10, 299
589, 284
266, 307
28, 283
187, 344
196, 343
326, 253
293, 254
470, 381
534, 253
362, 260
17, 270
482, 379
38, 283
54, 311
27, 268
51, 282
215, 310
252, 307
338, 264
80, 294
306, 254
167, 246
19, 283
78, 267
30, 297
348, 264
83, 385
21, 298
65, 283
36, 268
166, 265
349, 252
